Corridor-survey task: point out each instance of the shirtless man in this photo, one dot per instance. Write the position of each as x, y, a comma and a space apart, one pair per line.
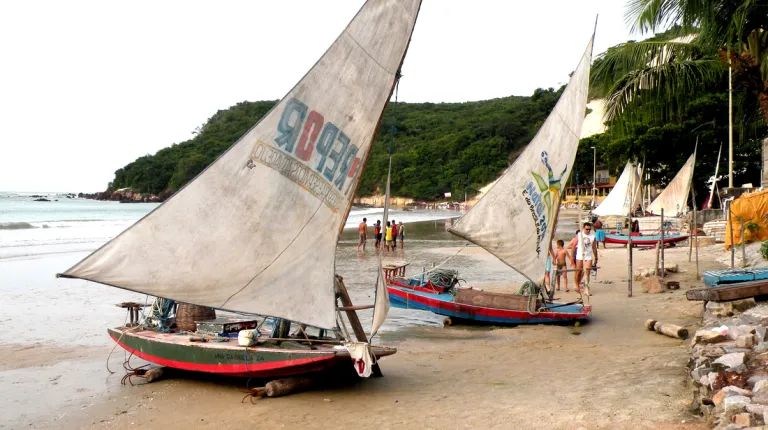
362, 229
560, 255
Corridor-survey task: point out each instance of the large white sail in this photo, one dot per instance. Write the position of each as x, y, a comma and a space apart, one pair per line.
674, 197
515, 219
257, 230
624, 194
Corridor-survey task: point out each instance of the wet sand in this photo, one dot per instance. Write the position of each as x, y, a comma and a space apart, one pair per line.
610, 373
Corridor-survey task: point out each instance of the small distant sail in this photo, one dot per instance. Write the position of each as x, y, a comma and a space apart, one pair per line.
257, 230
515, 219
624, 195
674, 198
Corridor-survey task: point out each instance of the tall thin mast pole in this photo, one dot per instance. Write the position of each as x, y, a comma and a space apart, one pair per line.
730, 122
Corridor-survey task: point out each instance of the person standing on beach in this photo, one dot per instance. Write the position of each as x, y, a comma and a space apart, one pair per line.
401, 233
599, 233
560, 255
394, 235
388, 236
586, 254
362, 229
377, 234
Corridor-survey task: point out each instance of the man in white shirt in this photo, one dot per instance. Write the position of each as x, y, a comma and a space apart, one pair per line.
584, 249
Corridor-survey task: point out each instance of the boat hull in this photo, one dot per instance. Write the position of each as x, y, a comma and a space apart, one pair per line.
445, 304
230, 359
623, 239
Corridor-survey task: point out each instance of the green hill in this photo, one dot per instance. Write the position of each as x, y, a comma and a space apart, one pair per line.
438, 147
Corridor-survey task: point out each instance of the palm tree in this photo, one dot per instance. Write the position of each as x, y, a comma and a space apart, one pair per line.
657, 75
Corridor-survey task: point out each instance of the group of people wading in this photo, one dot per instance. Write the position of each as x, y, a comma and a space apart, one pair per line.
391, 234
583, 257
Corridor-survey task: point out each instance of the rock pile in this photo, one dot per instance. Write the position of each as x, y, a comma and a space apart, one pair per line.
126, 195
729, 364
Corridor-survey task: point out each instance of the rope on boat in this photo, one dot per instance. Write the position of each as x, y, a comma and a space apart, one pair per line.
447, 259
161, 311
444, 278
146, 300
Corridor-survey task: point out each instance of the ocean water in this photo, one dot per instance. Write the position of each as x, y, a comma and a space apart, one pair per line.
31, 228
40, 239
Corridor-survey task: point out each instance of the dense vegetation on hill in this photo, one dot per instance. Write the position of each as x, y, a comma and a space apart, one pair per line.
438, 147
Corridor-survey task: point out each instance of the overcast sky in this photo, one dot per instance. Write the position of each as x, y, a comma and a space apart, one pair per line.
88, 86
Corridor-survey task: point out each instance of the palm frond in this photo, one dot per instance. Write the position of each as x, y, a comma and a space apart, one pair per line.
663, 82
613, 65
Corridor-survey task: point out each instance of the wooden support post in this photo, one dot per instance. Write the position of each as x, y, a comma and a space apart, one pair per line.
743, 244
629, 268
656, 268
690, 236
730, 227
695, 232
662, 243
354, 321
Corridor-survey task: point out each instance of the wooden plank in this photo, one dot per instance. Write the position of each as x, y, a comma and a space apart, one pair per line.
355, 308
492, 300
354, 321
740, 290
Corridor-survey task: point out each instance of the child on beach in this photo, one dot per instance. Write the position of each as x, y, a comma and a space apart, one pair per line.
560, 255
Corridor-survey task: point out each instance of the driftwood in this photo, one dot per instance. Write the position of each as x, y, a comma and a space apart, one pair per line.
154, 374
670, 330
283, 387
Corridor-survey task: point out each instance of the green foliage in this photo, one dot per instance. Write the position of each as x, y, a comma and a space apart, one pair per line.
753, 227
764, 250
444, 147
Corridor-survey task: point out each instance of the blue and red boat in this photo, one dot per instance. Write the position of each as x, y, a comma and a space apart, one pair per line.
468, 305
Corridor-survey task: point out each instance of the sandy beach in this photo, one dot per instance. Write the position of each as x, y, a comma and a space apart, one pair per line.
609, 373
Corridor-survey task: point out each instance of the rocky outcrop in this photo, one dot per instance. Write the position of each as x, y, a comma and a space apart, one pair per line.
126, 195
729, 365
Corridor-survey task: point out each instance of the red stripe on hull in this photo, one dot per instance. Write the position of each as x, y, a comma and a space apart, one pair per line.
638, 241
273, 368
430, 289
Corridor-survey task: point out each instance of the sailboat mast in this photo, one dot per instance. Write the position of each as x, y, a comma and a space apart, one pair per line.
730, 122
714, 179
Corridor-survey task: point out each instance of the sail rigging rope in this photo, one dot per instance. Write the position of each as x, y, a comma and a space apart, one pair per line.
448, 259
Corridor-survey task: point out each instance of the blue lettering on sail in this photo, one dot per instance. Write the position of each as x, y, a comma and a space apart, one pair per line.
289, 126
542, 196
328, 157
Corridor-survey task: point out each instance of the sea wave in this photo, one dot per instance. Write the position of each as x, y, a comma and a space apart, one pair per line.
15, 225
